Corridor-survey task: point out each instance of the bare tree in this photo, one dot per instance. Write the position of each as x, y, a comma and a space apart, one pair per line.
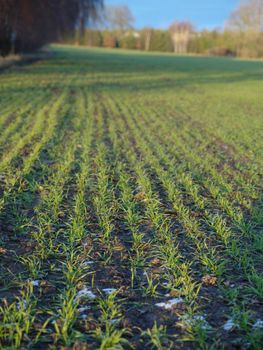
119, 18
6, 35
180, 35
28, 24
147, 34
248, 17
247, 23
87, 9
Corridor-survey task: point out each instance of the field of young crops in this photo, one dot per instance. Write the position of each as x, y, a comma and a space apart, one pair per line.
131, 202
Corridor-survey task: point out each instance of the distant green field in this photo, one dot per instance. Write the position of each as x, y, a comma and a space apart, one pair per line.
131, 202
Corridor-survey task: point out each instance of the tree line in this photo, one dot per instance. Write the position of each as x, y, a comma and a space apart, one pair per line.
26, 25
242, 35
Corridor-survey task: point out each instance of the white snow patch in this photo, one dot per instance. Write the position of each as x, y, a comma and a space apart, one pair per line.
229, 325
84, 308
83, 317
196, 319
85, 293
114, 321
109, 291
202, 320
87, 263
22, 304
168, 305
35, 283
199, 318
258, 324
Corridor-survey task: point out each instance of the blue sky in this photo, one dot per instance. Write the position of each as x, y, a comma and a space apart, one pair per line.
161, 13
